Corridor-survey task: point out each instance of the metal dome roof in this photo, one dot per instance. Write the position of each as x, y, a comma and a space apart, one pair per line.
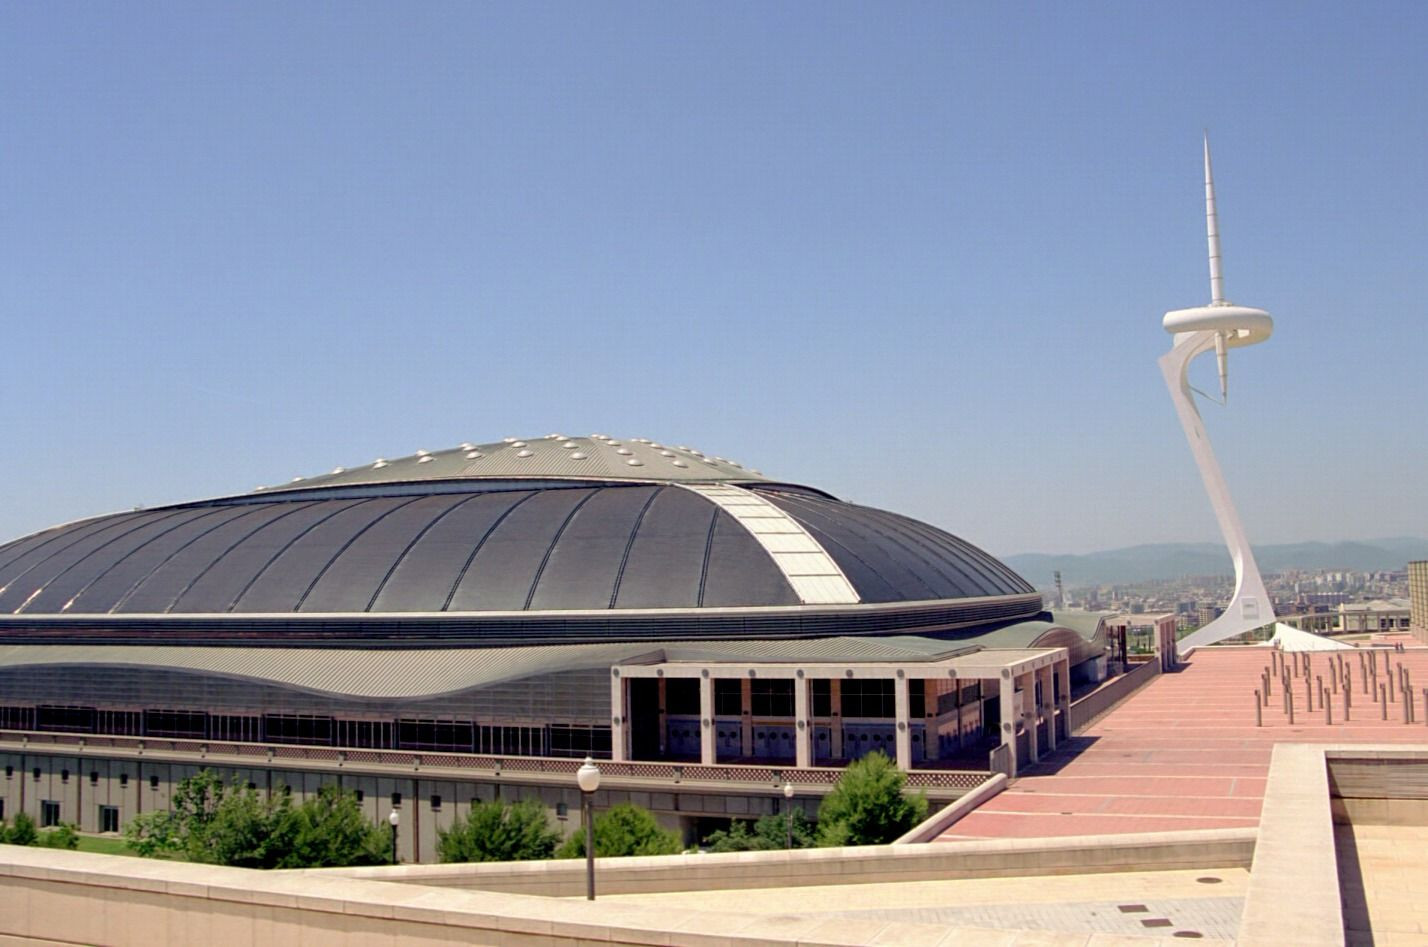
504, 538
553, 456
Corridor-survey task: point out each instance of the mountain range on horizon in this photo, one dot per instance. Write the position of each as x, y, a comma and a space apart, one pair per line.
1154, 561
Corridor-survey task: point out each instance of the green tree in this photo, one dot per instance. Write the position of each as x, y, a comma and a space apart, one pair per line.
499, 832
769, 833
868, 806
21, 831
63, 837
621, 830
329, 831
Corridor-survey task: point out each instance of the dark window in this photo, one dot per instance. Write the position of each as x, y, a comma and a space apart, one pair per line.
93, 778
239, 729
9, 771
360, 796
123, 780
190, 724
771, 698
49, 814
2, 810
512, 741
65, 719
436, 805
821, 691
17, 718
153, 782
365, 733
867, 698
298, 728
728, 697
580, 741
681, 696
36, 772
109, 818
455, 735
397, 800
252, 786
64, 775
917, 698
123, 723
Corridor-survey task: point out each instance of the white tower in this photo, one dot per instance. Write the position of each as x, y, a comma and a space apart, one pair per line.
1220, 326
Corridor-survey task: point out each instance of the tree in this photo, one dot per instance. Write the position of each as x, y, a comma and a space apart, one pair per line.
329, 831
21, 831
769, 833
233, 825
621, 830
867, 806
498, 832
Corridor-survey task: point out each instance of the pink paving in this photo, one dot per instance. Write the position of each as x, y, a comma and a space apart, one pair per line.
1184, 752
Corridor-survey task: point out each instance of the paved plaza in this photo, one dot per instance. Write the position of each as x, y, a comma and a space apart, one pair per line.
1185, 753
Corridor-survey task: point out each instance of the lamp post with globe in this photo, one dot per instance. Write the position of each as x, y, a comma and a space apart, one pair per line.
394, 819
788, 806
588, 776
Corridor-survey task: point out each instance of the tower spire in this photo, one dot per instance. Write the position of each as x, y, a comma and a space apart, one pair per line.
1212, 232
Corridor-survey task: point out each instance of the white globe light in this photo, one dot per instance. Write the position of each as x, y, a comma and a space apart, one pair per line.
394, 818
588, 776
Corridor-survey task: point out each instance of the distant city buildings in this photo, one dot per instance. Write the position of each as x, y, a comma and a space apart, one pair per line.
1418, 598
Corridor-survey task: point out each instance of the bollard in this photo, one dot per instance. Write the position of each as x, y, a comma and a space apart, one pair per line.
1289, 699
1264, 681
1388, 675
1328, 708
1382, 702
1348, 704
1265, 677
1308, 694
1425, 705
1319, 686
1258, 710
1407, 707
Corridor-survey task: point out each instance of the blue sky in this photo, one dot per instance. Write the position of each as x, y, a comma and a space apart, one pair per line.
914, 254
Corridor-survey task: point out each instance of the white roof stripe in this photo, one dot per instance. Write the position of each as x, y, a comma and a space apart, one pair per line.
810, 571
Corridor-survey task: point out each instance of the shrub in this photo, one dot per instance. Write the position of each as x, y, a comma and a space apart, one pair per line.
867, 806
63, 837
21, 831
497, 831
621, 830
767, 834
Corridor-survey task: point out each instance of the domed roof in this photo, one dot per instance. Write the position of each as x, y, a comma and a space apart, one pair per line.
555, 456
461, 536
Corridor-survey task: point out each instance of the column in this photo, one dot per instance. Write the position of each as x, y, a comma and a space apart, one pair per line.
746, 717
1048, 704
835, 718
901, 712
802, 722
1007, 704
619, 731
663, 722
1028, 704
1063, 669
706, 720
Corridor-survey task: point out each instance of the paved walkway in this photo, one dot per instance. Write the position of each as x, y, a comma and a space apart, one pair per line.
1184, 752
1382, 869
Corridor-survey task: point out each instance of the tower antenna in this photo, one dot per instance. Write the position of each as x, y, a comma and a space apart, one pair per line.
1217, 278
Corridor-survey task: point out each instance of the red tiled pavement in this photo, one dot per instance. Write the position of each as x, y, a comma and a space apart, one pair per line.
1184, 752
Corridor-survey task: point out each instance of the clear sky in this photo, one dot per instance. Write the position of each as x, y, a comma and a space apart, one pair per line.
914, 254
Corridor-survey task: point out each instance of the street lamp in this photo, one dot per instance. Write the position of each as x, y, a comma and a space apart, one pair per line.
588, 776
788, 805
394, 818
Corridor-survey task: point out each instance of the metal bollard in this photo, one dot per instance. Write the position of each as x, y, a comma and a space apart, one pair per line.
1308, 694
1425, 705
1289, 700
1328, 708
1348, 704
1407, 707
1258, 710
1319, 685
1383, 702
1265, 677
1389, 682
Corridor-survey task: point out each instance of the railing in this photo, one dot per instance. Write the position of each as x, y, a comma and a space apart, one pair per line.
1098, 703
999, 760
529, 767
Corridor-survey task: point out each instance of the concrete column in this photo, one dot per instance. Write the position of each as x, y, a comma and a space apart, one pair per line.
1006, 702
1063, 669
902, 735
746, 717
802, 723
835, 726
1029, 705
706, 721
619, 726
663, 721
1048, 705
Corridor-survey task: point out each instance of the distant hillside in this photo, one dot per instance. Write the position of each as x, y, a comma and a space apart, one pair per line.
1176, 560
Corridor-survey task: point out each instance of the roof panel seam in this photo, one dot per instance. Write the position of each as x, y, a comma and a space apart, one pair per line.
555, 541
232, 546
346, 546
396, 564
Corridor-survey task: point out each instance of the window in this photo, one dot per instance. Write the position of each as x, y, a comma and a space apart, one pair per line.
191, 724
365, 733
65, 719
49, 814
9, 771
109, 818
298, 728
2, 809
580, 741
821, 690
771, 698
867, 698
436, 804
728, 697
455, 735
94, 777
153, 782
17, 718
916, 698
681, 696
123, 780
124, 723
235, 727
515, 741
360, 796
36, 773
64, 775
